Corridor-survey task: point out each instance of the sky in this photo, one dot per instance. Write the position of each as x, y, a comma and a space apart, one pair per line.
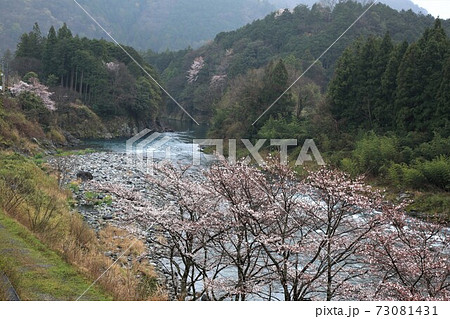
435, 7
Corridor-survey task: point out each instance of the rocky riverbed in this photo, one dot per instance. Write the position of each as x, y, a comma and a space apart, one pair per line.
99, 207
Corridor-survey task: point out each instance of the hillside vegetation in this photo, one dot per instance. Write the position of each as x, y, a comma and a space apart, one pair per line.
143, 24
298, 37
376, 104
395, 4
53, 254
98, 71
37, 272
96, 90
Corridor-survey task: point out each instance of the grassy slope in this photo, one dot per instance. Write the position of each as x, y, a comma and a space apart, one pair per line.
36, 272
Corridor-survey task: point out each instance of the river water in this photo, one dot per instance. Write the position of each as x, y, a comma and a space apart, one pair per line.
178, 145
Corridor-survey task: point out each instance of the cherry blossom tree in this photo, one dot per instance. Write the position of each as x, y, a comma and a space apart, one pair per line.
310, 231
36, 88
245, 206
410, 257
240, 232
180, 214
195, 69
217, 81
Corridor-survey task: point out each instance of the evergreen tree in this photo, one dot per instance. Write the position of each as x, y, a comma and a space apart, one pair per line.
387, 115
442, 122
381, 104
420, 78
275, 83
64, 32
341, 91
49, 56
31, 45
367, 82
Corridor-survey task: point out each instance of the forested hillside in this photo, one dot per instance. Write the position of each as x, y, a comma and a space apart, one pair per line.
97, 90
385, 86
297, 36
143, 24
376, 104
399, 93
99, 71
395, 4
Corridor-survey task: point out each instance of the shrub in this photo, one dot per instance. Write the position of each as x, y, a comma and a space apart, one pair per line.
374, 153
349, 166
56, 136
395, 175
401, 176
42, 213
432, 173
433, 205
437, 172
14, 189
27, 77
30, 101
282, 129
414, 178
434, 148
407, 155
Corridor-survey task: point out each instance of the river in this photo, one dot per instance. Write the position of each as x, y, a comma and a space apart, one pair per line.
113, 168
179, 142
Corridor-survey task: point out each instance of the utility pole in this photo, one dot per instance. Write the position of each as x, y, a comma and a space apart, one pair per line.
3, 77
5, 59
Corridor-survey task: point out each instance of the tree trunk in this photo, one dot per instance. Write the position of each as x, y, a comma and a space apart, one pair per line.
76, 80
183, 284
81, 83
72, 80
329, 269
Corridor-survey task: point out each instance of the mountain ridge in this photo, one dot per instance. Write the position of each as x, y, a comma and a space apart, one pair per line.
143, 24
300, 35
394, 4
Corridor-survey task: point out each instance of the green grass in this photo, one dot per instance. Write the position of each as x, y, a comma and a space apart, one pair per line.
37, 272
86, 151
432, 205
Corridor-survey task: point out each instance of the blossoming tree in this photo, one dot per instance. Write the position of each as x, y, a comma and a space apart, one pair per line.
240, 232
37, 89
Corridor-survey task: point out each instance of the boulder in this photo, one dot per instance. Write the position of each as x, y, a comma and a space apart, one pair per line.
85, 176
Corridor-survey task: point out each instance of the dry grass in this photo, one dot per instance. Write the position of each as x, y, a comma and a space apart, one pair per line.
26, 128
131, 278
43, 208
37, 272
16, 131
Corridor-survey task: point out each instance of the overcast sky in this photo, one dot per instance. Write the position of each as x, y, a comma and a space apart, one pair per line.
436, 7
